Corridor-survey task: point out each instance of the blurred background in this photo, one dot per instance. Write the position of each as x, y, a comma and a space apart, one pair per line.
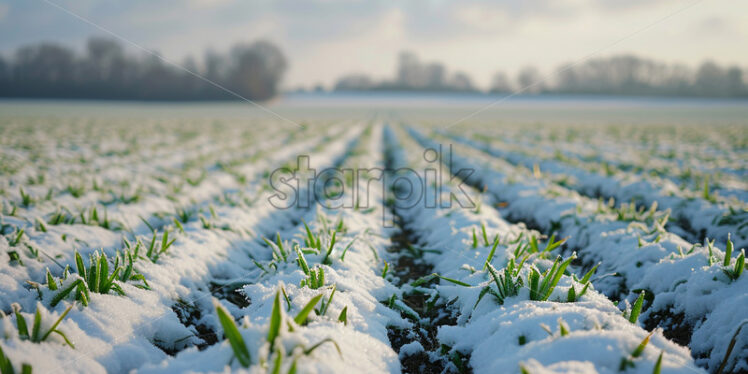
270, 50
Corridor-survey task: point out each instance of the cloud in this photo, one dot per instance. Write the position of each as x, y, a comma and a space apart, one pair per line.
481, 18
4, 10
326, 38
715, 25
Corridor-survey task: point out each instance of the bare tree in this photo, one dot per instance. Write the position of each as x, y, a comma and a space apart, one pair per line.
529, 80
107, 72
501, 83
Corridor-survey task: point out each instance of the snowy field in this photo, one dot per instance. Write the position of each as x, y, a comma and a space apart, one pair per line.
165, 240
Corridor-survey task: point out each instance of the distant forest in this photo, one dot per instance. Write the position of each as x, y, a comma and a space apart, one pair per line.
616, 75
105, 71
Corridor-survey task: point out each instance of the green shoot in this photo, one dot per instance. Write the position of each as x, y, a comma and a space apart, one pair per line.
36, 335
541, 290
430, 277
26, 199
129, 273
279, 251
179, 225
342, 255
728, 252
16, 238
343, 317
563, 328
301, 261
155, 251
658, 365
505, 285
327, 260
7, 368
737, 270
302, 316
315, 280
492, 253
705, 192
285, 296
325, 305
235, 338
628, 362
275, 321
637, 308
95, 278
323, 341
310, 241
572, 295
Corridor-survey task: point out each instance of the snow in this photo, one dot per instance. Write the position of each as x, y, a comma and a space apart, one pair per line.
217, 175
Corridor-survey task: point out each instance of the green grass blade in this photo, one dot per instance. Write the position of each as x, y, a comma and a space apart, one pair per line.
302, 261
557, 277
342, 255
51, 284
23, 329
329, 300
637, 309
328, 340
57, 323
310, 236
658, 365
728, 252
37, 326
5, 366
278, 362
640, 348
93, 274
80, 266
65, 292
491, 254
275, 320
285, 296
589, 274
64, 337
232, 334
327, 260
343, 317
301, 317
104, 272
534, 280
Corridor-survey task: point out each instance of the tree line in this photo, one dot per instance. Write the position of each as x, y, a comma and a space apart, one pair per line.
106, 71
615, 75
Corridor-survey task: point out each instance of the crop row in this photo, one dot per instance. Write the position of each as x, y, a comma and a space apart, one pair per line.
176, 266
691, 290
692, 217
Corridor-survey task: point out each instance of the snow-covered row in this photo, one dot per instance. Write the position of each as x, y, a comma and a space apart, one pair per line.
691, 152
349, 318
56, 242
119, 333
508, 332
692, 294
107, 157
725, 182
692, 217
213, 180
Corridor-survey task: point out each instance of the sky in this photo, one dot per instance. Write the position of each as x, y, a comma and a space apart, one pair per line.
325, 39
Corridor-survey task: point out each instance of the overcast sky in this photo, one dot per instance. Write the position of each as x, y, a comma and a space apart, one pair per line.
325, 39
